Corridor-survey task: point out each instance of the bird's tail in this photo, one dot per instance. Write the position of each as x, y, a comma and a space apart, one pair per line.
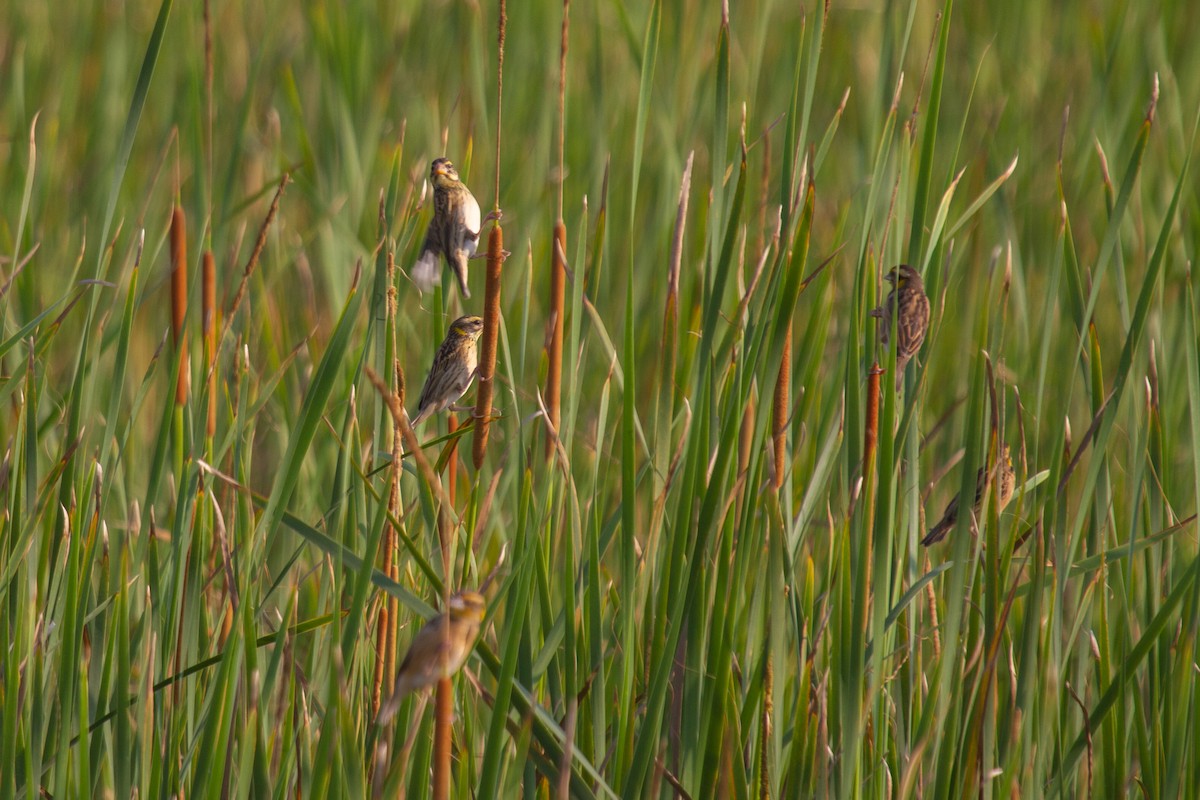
387, 711
425, 272
937, 533
389, 708
422, 414
459, 264
901, 363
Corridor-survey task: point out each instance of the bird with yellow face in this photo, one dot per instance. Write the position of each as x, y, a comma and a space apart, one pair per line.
454, 230
453, 369
439, 649
905, 311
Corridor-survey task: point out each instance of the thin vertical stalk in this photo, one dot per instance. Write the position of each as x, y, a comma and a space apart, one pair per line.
764, 766
208, 312
669, 336
385, 628
179, 299
558, 274
501, 26
745, 445
495, 264
208, 102
452, 460
558, 283
259, 244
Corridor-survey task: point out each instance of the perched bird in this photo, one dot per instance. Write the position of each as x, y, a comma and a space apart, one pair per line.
454, 230
907, 300
1004, 492
438, 650
453, 368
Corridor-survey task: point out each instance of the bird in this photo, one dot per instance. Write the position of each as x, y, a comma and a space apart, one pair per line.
454, 230
439, 649
1003, 469
453, 369
908, 300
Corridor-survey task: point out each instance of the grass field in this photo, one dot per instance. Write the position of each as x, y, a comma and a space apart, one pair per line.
710, 583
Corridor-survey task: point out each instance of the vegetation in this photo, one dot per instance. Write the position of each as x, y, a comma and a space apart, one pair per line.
709, 583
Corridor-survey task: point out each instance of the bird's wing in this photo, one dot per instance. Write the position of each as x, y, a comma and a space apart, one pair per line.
469, 215
425, 402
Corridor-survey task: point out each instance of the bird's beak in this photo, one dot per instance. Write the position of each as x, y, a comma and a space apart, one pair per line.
440, 169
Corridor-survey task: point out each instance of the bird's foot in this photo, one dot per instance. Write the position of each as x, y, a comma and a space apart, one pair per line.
504, 254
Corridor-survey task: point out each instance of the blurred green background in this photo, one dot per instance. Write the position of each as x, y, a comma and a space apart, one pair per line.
651, 579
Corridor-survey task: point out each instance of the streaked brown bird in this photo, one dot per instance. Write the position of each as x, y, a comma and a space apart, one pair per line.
438, 650
1004, 492
453, 232
453, 369
908, 303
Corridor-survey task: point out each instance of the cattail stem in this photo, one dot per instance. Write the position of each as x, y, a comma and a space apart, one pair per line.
764, 766
381, 636
562, 98
385, 630
208, 313
443, 715
386, 627
179, 299
208, 99
452, 462
870, 437
491, 334
559, 249
779, 421
501, 27
444, 528
558, 283
495, 262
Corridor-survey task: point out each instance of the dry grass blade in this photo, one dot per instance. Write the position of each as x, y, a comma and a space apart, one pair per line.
1097, 418
259, 244
400, 418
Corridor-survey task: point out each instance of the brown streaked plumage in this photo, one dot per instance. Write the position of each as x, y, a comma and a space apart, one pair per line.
453, 368
1004, 493
453, 232
438, 650
908, 302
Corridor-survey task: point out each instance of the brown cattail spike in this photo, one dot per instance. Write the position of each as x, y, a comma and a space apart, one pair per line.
872, 432
491, 333
558, 282
179, 294
779, 420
